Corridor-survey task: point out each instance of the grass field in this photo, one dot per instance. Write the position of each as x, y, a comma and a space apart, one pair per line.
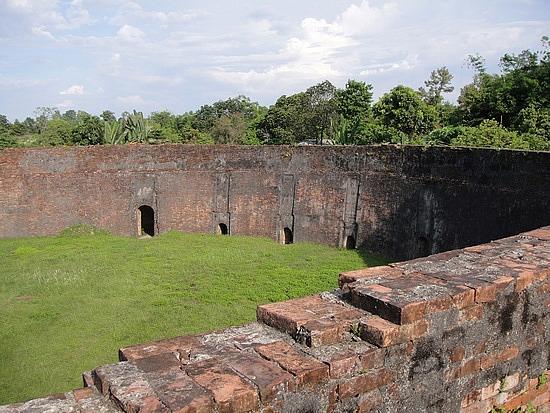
67, 303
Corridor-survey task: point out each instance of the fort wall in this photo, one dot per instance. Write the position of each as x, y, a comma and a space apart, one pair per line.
401, 202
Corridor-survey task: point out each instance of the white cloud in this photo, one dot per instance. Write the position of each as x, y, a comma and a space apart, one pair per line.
321, 51
130, 33
46, 14
76, 16
131, 100
405, 64
169, 54
73, 90
42, 32
363, 19
65, 104
16, 84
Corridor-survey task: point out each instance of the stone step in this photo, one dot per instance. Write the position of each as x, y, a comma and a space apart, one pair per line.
235, 370
408, 292
314, 321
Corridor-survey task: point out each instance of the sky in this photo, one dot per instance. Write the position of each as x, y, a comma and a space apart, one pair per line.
119, 55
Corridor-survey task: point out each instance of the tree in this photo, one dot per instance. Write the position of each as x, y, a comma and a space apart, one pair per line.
285, 121
88, 131
108, 116
4, 123
489, 134
322, 110
6, 140
163, 127
512, 62
69, 115
229, 129
206, 116
354, 101
17, 128
525, 81
438, 83
354, 106
43, 114
30, 126
6, 137
58, 132
403, 109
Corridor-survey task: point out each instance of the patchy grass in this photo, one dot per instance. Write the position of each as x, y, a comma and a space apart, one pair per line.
67, 303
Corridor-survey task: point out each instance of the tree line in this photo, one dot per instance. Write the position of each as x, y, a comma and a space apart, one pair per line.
510, 109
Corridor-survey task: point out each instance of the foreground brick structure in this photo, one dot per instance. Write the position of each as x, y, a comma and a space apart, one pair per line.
402, 202
461, 331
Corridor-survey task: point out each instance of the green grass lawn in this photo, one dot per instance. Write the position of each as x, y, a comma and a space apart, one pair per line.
67, 303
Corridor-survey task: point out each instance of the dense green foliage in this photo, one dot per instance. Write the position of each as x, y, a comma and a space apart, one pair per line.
506, 110
67, 303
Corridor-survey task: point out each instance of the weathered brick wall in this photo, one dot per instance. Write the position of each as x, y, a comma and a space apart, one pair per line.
402, 202
462, 331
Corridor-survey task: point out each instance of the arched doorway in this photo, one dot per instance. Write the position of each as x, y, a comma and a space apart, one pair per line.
288, 238
350, 242
222, 229
146, 216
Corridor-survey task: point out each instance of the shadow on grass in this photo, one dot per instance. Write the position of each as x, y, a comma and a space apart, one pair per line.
371, 259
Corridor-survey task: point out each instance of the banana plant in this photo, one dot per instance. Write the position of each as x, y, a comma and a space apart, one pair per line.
136, 127
114, 132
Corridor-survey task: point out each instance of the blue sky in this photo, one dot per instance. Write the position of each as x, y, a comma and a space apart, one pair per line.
177, 55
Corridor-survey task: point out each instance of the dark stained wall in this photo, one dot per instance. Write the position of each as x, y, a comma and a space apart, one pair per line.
399, 201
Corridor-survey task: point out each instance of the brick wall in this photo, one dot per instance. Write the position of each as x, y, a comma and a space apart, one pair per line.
402, 202
462, 331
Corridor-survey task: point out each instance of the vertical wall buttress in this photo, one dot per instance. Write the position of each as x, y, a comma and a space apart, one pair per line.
286, 208
221, 214
348, 237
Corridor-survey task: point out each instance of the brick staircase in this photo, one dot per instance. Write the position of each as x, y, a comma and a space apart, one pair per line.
369, 345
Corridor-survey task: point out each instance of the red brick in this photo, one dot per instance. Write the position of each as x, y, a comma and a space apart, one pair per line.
383, 333
489, 391
369, 401
467, 368
486, 292
341, 365
270, 379
474, 312
287, 316
457, 354
87, 379
316, 320
480, 348
306, 369
527, 277
349, 277
159, 362
479, 248
231, 392
503, 356
465, 297
372, 359
364, 383
84, 393
179, 393
482, 406
181, 345
472, 397
540, 233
